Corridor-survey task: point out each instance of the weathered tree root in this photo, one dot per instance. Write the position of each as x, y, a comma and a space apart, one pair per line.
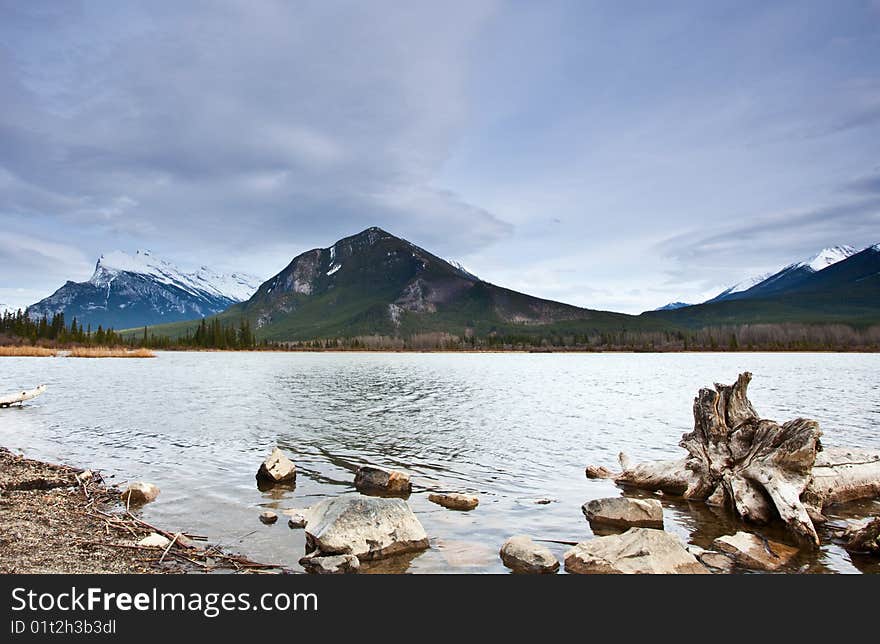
760, 469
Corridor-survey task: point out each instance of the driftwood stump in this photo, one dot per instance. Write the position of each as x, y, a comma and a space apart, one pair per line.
757, 467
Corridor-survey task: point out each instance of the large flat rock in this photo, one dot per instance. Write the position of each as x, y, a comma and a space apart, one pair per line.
636, 551
625, 512
367, 527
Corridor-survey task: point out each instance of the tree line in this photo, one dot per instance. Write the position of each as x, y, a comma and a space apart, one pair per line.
224, 335
56, 330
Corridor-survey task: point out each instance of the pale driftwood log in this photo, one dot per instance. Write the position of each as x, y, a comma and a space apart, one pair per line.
760, 469
20, 397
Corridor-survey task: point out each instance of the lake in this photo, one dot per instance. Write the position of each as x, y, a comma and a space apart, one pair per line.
511, 428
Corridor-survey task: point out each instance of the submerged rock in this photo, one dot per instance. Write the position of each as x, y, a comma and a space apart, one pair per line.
757, 553
521, 554
268, 517
717, 560
155, 540
367, 527
376, 479
331, 565
625, 512
138, 493
277, 468
865, 538
296, 520
455, 501
636, 551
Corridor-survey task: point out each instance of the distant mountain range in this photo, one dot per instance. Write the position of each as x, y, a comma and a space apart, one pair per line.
838, 285
776, 281
376, 283
142, 289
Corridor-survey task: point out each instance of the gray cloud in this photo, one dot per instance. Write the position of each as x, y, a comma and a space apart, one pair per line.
867, 184
551, 146
738, 250
241, 121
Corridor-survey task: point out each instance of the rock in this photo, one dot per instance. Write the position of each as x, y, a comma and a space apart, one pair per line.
455, 501
138, 493
268, 517
277, 468
636, 551
376, 479
367, 527
752, 551
544, 501
331, 565
625, 512
865, 538
598, 472
521, 554
716, 560
297, 521
155, 540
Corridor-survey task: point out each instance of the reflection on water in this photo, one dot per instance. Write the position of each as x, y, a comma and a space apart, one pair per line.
513, 429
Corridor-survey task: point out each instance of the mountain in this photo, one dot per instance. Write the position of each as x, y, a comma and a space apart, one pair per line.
376, 283
787, 278
142, 289
672, 306
836, 286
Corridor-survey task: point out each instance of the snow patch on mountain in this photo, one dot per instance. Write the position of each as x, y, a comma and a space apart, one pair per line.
827, 257
234, 286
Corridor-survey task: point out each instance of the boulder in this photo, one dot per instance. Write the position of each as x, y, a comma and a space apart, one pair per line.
367, 527
277, 468
636, 551
331, 565
268, 517
625, 512
455, 501
139, 493
155, 540
599, 472
521, 554
754, 552
376, 479
865, 538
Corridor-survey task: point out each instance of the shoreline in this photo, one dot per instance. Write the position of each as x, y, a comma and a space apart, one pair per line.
60, 519
861, 351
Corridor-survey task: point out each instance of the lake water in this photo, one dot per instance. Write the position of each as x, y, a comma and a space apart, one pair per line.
512, 428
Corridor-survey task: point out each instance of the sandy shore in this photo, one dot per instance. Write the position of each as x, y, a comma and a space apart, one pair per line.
58, 519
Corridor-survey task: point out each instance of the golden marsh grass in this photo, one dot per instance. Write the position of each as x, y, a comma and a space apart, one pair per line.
17, 351
107, 352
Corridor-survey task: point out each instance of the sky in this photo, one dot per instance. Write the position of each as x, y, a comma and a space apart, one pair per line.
613, 155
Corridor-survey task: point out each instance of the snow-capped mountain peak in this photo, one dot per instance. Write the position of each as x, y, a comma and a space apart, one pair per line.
134, 290
234, 286
827, 257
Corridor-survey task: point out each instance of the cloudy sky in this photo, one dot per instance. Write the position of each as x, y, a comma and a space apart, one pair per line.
616, 155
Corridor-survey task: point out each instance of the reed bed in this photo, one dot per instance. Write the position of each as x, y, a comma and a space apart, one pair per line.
107, 352
26, 350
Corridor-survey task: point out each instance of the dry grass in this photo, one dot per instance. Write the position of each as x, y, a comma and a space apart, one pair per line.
27, 350
107, 352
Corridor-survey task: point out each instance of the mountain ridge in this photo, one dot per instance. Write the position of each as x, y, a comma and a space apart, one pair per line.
143, 289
